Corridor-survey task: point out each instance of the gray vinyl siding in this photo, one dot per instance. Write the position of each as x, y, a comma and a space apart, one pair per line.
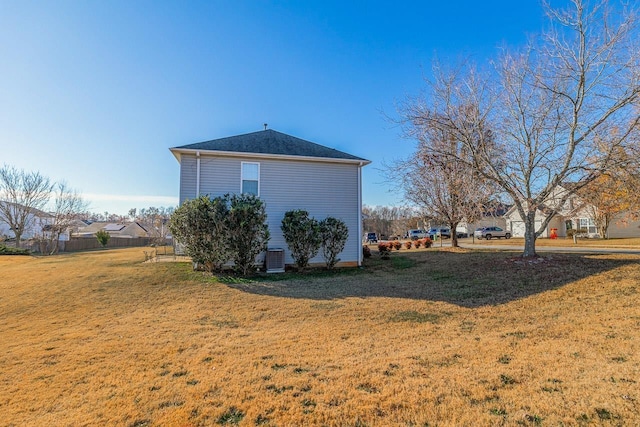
623, 225
219, 176
322, 189
187, 178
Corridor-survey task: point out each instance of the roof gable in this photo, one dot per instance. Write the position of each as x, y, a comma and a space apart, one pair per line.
113, 227
270, 142
33, 211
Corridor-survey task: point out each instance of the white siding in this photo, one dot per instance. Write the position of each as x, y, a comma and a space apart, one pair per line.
557, 222
322, 189
32, 229
484, 222
515, 224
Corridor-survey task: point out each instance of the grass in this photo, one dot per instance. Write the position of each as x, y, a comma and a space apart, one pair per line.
563, 242
429, 337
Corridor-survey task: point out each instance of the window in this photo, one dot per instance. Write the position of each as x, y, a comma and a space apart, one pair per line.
250, 178
588, 224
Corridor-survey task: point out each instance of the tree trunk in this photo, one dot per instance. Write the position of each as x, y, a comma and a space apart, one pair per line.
454, 235
54, 244
530, 235
18, 238
605, 230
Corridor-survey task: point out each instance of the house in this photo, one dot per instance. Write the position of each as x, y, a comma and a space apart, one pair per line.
287, 173
128, 230
35, 222
575, 213
72, 227
492, 216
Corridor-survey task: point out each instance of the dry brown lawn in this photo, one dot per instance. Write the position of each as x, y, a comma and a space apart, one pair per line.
563, 242
446, 338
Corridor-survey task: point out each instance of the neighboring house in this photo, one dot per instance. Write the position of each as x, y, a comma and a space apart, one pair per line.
36, 221
576, 214
515, 224
66, 234
287, 173
491, 217
128, 230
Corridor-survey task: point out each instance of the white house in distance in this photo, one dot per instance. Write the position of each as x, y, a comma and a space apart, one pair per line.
128, 230
287, 173
576, 214
491, 217
36, 221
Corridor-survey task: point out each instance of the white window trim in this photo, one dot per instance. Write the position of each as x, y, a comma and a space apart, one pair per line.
242, 177
590, 225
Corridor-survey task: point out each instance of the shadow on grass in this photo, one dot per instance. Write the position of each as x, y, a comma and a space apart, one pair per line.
471, 279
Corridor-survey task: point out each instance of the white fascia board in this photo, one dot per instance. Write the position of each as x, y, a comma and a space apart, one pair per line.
178, 151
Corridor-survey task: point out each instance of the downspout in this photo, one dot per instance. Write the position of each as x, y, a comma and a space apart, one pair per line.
359, 236
197, 174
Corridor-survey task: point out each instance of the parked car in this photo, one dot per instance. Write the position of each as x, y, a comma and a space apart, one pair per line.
371, 238
461, 234
444, 233
416, 234
491, 232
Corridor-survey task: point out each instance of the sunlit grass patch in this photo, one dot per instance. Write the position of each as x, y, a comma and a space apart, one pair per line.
416, 317
438, 338
326, 305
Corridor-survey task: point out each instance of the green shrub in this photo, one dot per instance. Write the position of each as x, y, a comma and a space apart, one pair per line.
5, 250
302, 235
200, 225
103, 237
334, 234
215, 231
247, 229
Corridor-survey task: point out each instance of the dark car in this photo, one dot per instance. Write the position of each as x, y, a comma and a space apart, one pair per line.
371, 238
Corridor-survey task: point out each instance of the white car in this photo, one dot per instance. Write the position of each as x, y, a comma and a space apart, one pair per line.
416, 234
491, 232
444, 233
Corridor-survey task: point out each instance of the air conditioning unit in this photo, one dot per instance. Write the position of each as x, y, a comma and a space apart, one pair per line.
275, 260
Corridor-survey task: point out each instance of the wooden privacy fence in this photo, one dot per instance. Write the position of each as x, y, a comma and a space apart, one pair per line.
86, 243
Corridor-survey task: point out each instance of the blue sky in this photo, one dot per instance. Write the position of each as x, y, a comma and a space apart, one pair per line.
95, 93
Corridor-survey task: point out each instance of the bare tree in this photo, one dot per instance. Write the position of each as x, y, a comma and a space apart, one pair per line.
557, 109
155, 221
389, 221
68, 205
22, 196
444, 188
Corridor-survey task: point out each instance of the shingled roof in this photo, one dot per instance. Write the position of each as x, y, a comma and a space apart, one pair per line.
269, 142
